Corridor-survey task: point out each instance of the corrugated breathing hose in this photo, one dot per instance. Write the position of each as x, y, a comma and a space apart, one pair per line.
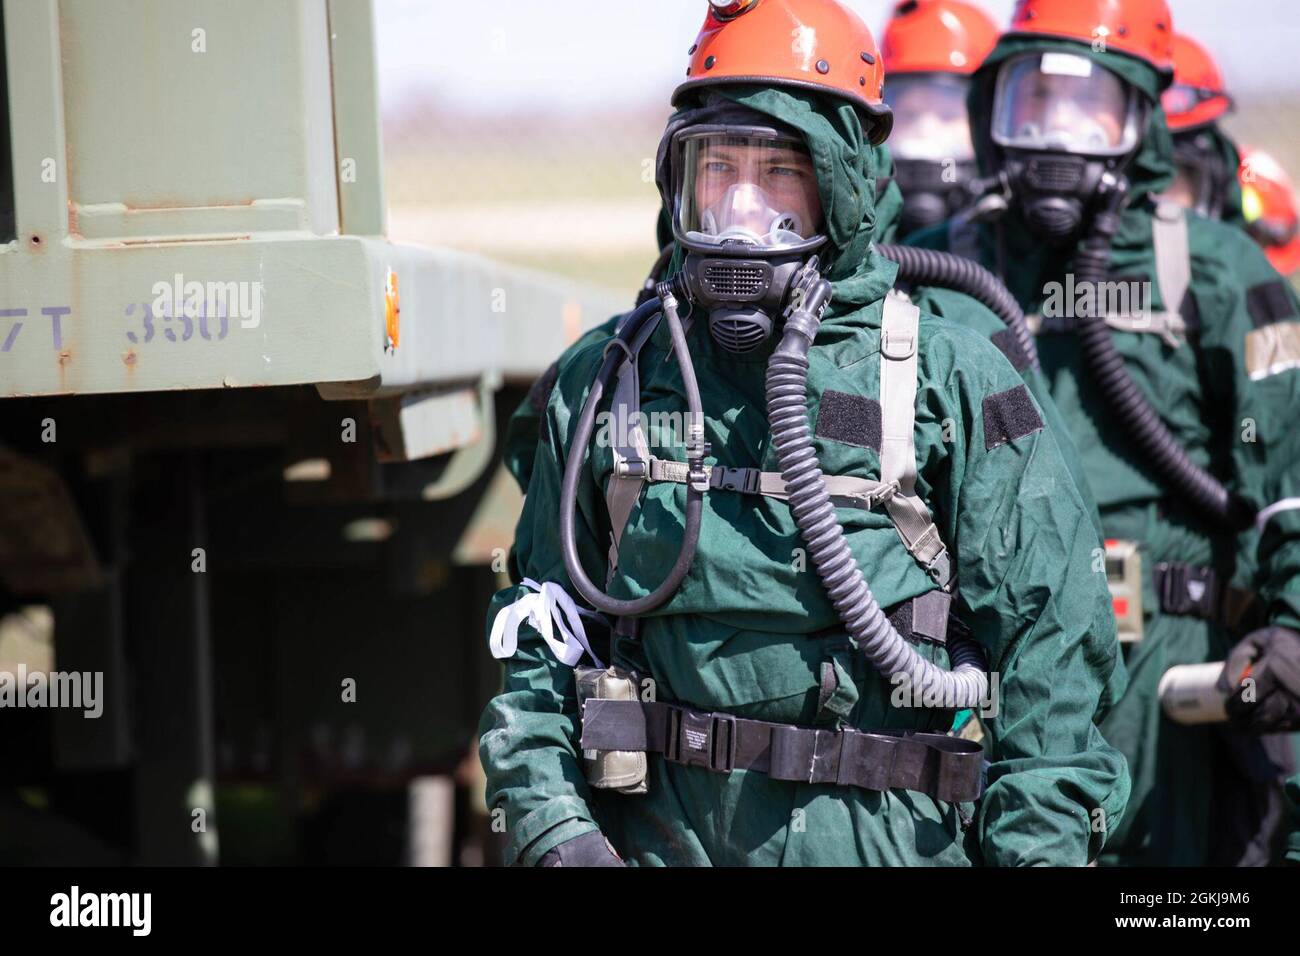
966, 685
1105, 364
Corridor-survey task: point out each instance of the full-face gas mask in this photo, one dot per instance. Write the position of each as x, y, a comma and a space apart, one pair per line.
748, 213
931, 145
1062, 122
1201, 177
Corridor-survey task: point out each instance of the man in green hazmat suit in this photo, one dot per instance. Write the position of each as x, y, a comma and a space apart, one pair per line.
753, 721
1182, 405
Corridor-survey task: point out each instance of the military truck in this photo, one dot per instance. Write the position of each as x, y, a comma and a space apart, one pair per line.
248, 446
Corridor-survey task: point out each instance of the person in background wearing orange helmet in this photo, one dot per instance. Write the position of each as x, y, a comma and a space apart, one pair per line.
1205, 158
931, 47
1246, 188
1173, 352
773, 663
1268, 204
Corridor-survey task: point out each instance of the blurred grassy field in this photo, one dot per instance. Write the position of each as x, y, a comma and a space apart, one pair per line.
575, 196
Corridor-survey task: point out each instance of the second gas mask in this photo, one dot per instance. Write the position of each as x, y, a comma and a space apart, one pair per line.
1061, 122
931, 145
748, 213
1202, 179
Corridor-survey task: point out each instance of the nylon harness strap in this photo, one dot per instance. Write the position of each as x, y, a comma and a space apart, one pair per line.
899, 334
634, 465
845, 490
946, 768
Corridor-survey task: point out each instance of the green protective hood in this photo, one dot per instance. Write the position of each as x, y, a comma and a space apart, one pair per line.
846, 166
889, 201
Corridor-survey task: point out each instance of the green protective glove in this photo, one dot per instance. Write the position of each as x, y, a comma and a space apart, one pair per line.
1263, 677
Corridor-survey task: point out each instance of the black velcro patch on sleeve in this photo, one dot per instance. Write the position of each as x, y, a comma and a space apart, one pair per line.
1269, 302
1009, 415
851, 419
1010, 345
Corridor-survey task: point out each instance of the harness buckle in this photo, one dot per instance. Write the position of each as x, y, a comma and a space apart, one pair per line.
882, 494
744, 480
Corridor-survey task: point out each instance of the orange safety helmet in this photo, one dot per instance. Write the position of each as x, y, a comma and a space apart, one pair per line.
1199, 94
818, 45
937, 36
1140, 28
1269, 205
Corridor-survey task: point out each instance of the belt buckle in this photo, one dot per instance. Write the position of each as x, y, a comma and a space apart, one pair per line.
1185, 589
696, 740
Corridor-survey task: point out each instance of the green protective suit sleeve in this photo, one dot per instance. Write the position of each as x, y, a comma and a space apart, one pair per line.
527, 733
1254, 360
974, 316
1032, 590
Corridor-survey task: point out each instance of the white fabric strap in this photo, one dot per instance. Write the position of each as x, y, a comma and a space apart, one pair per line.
1276, 508
1173, 255
899, 328
899, 344
546, 609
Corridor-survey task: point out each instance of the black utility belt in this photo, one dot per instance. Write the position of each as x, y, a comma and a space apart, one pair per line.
946, 768
1187, 590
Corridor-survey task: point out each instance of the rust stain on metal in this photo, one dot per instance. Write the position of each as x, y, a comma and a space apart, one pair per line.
129, 358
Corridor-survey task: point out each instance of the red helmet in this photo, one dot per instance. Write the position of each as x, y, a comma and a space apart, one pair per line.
937, 36
1140, 28
1269, 205
818, 45
1199, 94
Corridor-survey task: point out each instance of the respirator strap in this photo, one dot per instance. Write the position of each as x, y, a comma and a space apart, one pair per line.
899, 332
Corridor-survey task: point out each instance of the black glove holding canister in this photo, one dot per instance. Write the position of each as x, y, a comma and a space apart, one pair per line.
1262, 678
589, 849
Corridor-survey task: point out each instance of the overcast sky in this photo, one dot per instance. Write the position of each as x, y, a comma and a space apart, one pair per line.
575, 54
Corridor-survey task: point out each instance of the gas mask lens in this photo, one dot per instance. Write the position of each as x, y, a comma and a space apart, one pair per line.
930, 120
1064, 102
746, 189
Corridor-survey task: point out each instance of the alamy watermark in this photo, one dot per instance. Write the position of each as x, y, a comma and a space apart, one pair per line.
1074, 300
193, 300
907, 693
76, 690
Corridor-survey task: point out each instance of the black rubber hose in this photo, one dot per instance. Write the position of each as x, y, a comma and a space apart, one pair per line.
1204, 492
614, 356
966, 685
930, 267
